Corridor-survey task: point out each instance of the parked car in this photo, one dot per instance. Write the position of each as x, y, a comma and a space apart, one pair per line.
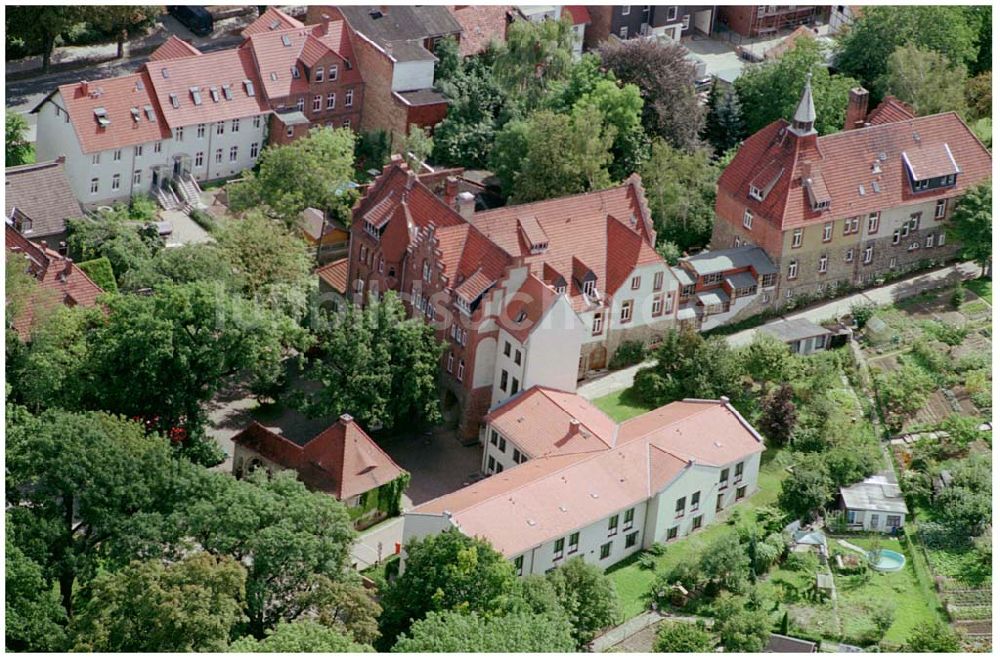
193, 17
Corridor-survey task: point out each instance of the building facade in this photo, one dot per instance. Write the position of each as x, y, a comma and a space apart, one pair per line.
849, 208
763, 20
670, 22
568, 481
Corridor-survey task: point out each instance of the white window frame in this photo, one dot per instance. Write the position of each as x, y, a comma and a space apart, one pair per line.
334, 70
625, 314
873, 221
869, 254
940, 208
349, 98
254, 150
824, 263
797, 238
849, 255
747, 219
95, 185
199, 159
793, 270
597, 326
828, 232
319, 73
234, 153
137, 177
317, 103
331, 101
300, 104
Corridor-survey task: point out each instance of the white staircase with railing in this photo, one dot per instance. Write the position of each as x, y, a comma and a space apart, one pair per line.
190, 191
166, 198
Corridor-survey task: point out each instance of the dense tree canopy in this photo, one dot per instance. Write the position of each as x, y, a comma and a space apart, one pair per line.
772, 90
16, 145
587, 596
682, 637
37, 27
114, 235
742, 627
926, 80
453, 631
296, 637
313, 171
533, 56
120, 20
151, 606
34, 619
807, 489
680, 188
378, 366
972, 224
688, 366
663, 75
865, 48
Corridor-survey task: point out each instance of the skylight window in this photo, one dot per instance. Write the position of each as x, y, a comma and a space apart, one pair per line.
214, 91
286, 41
274, 76
196, 95
248, 86
875, 186
274, 25
101, 115
135, 115
149, 113
166, 74
174, 101
227, 91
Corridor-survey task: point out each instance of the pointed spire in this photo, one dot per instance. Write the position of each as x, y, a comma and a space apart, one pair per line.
805, 114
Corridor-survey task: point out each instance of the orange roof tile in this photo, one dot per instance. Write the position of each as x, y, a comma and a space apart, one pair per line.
572, 486
271, 20
481, 24
335, 274
173, 48
844, 162
60, 280
890, 110
117, 99
173, 81
527, 308
579, 14
342, 460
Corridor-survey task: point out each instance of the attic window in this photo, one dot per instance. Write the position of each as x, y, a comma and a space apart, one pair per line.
286, 41
861, 189
875, 186
174, 101
274, 76
274, 25
248, 86
196, 95
214, 91
135, 115
821, 205
227, 91
295, 72
149, 113
139, 86
876, 167
166, 74
755, 193
521, 316
101, 115
375, 14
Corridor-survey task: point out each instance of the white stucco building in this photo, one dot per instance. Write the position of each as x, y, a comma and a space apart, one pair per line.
570, 482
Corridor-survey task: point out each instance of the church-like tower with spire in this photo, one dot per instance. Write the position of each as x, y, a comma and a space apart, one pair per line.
848, 209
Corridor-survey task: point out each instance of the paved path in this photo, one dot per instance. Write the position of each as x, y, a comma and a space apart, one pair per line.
883, 295
377, 543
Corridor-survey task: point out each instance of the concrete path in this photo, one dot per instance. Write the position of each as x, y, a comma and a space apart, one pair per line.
377, 543
883, 295
845, 543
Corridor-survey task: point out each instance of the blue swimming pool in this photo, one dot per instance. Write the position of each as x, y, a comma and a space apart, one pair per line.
888, 561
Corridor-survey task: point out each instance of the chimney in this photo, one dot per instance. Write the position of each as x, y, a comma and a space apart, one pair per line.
450, 190
61, 159
806, 172
857, 108
574, 426
466, 205
346, 419
724, 400
85, 87
397, 159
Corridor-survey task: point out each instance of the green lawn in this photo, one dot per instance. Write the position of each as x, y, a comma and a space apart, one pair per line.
633, 582
621, 405
981, 287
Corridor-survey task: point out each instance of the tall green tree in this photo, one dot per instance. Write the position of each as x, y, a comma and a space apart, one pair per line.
741, 626
416, 146
724, 123
151, 606
34, 619
979, 95
120, 20
772, 90
534, 56
863, 51
87, 491
454, 631
662, 73
314, 171
688, 366
981, 18
297, 637
588, 597
680, 188
926, 80
725, 564
185, 264
682, 637
289, 538
779, 416
378, 366
447, 571
114, 236
807, 489
16, 145
39, 27
972, 224
552, 155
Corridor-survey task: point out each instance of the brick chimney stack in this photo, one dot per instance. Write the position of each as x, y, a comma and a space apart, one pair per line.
466, 205
857, 108
450, 190
85, 87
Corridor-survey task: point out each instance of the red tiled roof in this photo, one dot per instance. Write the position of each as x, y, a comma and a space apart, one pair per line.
342, 460
585, 479
269, 21
117, 97
626, 250
176, 78
335, 274
481, 24
789, 42
533, 300
60, 280
173, 48
890, 110
579, 14
577, 229
844, 163
307, 46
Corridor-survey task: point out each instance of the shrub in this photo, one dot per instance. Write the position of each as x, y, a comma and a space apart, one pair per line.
647, 562
952, 335
204, 220
958, 295
657, 549
802, 562
862, 312
142, 208
682, 637
627, 354
100, 271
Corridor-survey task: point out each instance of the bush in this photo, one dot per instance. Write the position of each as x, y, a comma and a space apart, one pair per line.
647, 562
204, 220
627, 354
958, 295
142, 208
862, 312
682, 637
100, 271
657, 549
947, 333
802, 562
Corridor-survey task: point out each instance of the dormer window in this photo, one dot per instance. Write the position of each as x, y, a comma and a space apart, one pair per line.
561, 289
227, 91
371, 229
248, 87
174, 101
590, 288
136, 117
821, 205
214, 91
755, 193
464, 306
195, 95
295, 72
